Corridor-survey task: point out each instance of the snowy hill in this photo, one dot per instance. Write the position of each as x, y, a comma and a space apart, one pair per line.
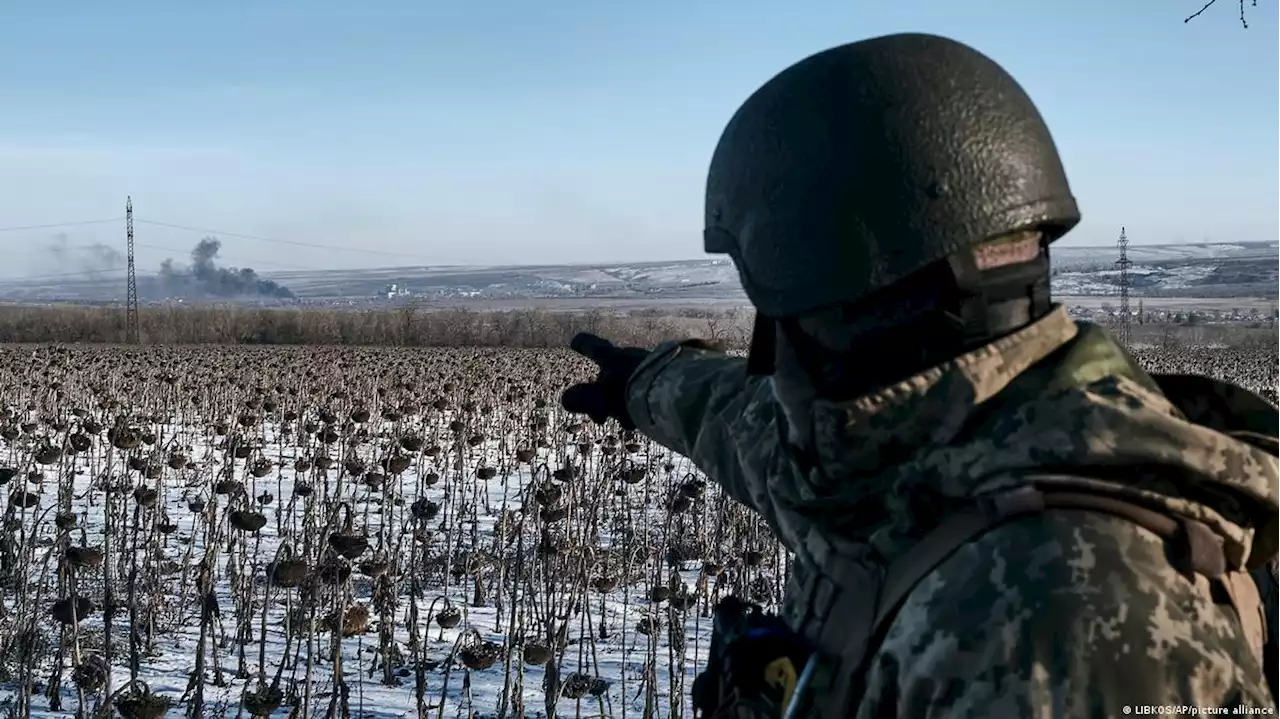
1187, 270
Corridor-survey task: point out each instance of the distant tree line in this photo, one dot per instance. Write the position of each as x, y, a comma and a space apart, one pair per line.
420, 327
403, 326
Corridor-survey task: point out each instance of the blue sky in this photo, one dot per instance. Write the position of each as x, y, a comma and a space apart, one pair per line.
520, 132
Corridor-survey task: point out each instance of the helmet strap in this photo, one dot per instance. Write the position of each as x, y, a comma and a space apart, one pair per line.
988, 304
764, 344
945, 311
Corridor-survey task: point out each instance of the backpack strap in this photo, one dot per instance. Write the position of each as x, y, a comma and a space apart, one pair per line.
1197, 551
850, 630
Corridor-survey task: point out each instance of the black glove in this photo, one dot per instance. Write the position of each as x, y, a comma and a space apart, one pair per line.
607, 396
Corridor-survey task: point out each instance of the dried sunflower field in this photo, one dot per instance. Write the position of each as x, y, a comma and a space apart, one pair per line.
354, 532
349, 532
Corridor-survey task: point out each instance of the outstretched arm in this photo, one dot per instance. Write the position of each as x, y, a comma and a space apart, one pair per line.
702, 404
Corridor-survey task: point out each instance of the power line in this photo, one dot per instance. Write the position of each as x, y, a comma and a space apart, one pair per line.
83, 274
226, 233
55, 249
222, 233
259, 238
99, 246
228, 259
54, 225
58, 275
149, 246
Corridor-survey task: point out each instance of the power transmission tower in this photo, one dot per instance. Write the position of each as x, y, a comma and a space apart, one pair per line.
1123, 265
131, 297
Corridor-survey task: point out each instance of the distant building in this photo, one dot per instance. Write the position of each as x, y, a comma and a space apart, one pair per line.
393, 290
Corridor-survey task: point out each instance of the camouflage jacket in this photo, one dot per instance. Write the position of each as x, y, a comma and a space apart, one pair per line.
1069, 614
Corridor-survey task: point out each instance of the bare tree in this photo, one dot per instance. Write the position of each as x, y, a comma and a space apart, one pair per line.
1211, 3
715, 328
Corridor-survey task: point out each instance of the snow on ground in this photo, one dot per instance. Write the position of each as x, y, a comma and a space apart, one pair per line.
615, 653
689, 272
1107, 282
1072, 257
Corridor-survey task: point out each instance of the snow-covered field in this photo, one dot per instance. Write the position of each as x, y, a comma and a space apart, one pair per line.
483, 526
482, 552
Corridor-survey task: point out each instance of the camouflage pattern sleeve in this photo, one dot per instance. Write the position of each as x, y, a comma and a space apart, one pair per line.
701, 403
1067, 614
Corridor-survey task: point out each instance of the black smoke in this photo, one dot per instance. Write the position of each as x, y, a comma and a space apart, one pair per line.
203, 278
84, 259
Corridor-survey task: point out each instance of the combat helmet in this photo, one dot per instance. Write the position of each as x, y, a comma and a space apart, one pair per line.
861, 165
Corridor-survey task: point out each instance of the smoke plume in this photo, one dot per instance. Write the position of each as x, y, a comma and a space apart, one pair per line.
203, 278
86, 259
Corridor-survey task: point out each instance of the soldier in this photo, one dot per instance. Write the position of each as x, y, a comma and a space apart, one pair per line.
992, 510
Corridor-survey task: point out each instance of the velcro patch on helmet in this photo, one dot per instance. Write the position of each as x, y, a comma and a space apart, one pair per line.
1012, 249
